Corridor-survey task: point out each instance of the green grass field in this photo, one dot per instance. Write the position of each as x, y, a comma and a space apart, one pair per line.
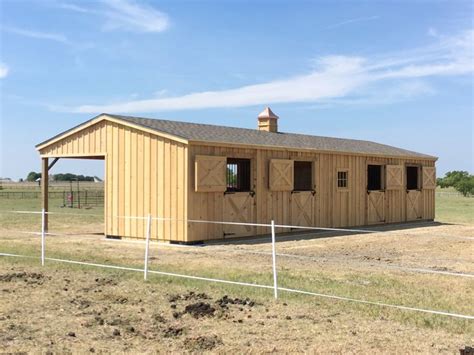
356, 266
454, 209
450, 207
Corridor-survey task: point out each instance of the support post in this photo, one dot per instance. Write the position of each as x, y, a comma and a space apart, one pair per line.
275, 284
44, 190
147, 247
43, 235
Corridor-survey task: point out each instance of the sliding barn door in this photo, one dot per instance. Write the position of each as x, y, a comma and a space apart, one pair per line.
375, 207
302, 208
239, 207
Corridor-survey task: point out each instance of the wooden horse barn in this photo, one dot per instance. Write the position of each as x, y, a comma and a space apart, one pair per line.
188, 171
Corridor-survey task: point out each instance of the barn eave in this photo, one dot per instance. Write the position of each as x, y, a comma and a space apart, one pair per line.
105, 117
294, 149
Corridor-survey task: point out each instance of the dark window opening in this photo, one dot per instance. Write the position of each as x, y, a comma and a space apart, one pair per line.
303, 176
238, 175
412, 178
374, 177
342, 179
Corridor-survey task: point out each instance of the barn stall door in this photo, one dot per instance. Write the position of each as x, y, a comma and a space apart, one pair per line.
302, 208
413, 205
375, 207
429, 178
210, 173
394, 180
281, 175
239, 207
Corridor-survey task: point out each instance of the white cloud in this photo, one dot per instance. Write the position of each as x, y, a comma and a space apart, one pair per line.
3, 70
75, 8
432, 32
354, 20
391, 93
125, 15
333, 77
57, 37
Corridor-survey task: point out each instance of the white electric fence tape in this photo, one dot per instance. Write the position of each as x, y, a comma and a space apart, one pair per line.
449, 314
274, 287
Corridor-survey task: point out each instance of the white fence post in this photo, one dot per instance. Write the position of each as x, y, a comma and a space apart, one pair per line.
43, 234
147, 247
275, 284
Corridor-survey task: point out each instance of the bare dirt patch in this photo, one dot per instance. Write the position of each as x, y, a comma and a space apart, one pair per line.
202, 343
28, 277
66, 308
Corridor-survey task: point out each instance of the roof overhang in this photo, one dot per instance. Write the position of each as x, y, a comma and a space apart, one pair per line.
104, 117
289, 149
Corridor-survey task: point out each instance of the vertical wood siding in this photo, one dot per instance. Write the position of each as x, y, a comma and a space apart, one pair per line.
333, 207
144, 174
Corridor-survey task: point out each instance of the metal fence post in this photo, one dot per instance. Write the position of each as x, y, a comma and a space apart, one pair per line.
147, 247
43, 234
275, 284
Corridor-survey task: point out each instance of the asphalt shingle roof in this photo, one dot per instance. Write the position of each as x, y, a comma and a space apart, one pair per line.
222, 134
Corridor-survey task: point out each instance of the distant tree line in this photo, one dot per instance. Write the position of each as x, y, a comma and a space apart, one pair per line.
33, 176
462, 181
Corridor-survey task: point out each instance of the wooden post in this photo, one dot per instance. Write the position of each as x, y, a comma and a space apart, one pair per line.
44, 190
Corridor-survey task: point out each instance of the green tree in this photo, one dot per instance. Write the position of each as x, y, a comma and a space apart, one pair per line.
33, 176
452, 178
466, 185
72, 177
231, 177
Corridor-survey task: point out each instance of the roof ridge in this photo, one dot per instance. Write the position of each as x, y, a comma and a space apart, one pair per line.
239, 128
206, 132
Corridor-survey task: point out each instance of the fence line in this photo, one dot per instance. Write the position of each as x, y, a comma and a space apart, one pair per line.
275, 277
240, 251
274, 269
147, 246
287, 226
290, 290
56, 213
397, 267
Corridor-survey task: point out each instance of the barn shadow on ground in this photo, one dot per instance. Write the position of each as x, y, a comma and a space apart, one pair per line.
320, 234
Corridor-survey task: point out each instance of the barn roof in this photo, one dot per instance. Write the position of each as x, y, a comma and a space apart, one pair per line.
197, 132
233, 135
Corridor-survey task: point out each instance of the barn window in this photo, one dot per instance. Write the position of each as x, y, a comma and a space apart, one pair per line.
374, 177
342, 177
412, 178
238, 175
303, 176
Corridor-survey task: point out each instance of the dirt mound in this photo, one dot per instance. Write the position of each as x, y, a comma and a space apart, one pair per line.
188, 296
172, 332
81, 303
199, 309
105, 281
201, 343
28, 277
226, 300
158, 318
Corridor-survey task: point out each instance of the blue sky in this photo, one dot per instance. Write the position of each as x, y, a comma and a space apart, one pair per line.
396, 72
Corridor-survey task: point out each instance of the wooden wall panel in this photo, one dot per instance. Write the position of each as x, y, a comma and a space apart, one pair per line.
83, 143
332, 207
210, 173
144, 174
